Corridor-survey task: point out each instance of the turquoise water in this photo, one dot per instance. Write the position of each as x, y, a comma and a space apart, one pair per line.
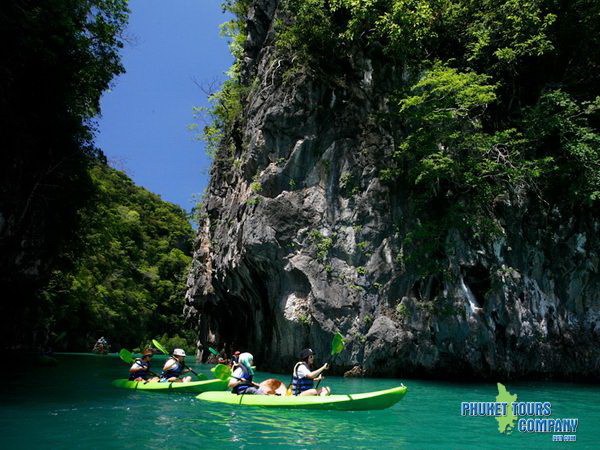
73, 405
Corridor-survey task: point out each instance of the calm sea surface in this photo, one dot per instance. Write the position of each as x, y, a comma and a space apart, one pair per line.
73, 405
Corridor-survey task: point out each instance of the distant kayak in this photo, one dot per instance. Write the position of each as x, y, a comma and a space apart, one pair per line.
348, 402
192, 386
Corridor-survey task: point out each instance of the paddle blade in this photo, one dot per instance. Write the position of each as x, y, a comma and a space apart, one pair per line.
126, 356
213, 351
160, 347
222, 371
337, 345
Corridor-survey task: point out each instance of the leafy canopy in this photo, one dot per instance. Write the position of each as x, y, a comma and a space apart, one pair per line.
128, 282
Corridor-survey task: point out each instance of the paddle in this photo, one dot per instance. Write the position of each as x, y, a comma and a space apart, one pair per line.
162, 349
337, 345
213, 351
127, 356
223, 372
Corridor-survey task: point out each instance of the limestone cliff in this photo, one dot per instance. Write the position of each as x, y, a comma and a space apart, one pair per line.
300, 239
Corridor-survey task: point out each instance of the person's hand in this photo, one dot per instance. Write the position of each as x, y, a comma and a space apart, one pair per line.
325, 366
319, 378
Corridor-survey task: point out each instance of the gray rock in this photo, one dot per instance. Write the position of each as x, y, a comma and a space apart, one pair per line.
318, 249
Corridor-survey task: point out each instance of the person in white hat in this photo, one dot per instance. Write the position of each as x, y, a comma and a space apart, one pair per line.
175, 367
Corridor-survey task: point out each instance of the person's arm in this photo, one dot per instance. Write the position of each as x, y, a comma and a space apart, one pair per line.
170, 363
235, 379
136, 367
315, 373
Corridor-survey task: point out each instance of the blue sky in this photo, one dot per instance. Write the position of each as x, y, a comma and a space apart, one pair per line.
174, 46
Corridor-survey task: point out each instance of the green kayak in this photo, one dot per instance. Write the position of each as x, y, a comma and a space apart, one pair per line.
192, 386
349, 402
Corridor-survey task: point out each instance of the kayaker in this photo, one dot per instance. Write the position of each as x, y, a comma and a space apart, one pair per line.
101, 346
235, 360
174, 368
241, 378
303, 379
140, 370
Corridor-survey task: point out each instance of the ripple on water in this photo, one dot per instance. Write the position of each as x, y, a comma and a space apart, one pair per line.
74, 406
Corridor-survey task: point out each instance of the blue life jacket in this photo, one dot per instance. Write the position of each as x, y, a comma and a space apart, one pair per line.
241, 388
144, 372
174, 371
301, 384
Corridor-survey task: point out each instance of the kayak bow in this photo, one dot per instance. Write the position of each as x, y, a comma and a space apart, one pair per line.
348, 402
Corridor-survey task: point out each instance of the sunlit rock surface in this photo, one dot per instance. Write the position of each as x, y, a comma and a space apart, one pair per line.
301, 239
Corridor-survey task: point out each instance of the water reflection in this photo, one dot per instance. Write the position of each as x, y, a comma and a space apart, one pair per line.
256, 426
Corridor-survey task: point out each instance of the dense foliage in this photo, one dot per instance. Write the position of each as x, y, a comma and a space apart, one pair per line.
495, 101
127, 282
226, 102
57, 58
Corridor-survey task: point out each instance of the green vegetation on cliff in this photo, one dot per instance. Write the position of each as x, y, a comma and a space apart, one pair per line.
58, 56
493, 103
83, 251
127, 281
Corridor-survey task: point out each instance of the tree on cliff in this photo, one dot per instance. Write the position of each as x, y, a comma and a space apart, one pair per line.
127, 281
58, 56
451, 150
497, 100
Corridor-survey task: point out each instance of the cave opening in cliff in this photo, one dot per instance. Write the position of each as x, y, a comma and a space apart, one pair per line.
239, 321
477, 278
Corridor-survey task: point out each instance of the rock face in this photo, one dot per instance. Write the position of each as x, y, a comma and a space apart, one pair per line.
301, 239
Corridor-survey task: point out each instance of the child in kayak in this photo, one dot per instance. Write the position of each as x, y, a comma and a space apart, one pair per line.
241, 378
303, 379
140, 370
174, 368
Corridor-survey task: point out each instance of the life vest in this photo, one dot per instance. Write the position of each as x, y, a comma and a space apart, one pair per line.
174, 371
241, 388
301, 384
144, 372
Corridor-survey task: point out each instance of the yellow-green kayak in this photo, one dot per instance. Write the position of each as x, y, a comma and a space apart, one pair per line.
348, 402
192, 386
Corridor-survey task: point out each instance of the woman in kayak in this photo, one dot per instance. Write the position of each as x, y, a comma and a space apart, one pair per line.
303, 379
140, 370
174, 368
241, 378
